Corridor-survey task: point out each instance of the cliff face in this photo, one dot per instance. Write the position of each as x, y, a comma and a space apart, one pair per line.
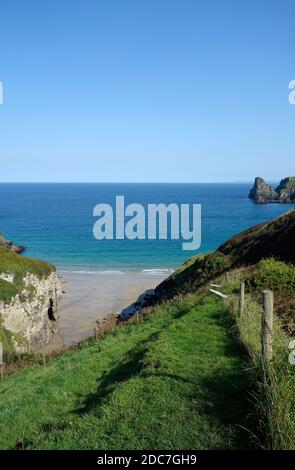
271, 239
25, 317
27, 288
286, 190
263, 193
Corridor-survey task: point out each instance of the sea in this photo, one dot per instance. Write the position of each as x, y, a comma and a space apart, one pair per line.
55, 222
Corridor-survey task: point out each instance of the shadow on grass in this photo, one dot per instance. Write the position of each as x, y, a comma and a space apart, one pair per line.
222, 396
226, 393
130, 366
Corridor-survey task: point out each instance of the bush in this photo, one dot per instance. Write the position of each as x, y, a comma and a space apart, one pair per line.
274, 275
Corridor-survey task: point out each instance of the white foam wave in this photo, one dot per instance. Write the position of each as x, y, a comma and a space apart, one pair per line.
72, 271
149, 272
158, 271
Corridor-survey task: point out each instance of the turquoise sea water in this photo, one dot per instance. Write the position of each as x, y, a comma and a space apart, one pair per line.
55, 222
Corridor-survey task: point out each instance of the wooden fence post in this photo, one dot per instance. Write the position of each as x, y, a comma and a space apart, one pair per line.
242, 298
267, 326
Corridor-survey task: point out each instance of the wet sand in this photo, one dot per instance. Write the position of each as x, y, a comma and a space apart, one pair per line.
91, 296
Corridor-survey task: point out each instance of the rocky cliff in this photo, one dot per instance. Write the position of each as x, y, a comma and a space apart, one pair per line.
263, 193
29, 293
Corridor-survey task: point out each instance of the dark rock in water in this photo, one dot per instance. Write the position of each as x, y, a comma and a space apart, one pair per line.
18, 249
10, 246
286, 190
263, 193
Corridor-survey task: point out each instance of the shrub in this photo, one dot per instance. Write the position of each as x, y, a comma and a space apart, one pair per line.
274, 275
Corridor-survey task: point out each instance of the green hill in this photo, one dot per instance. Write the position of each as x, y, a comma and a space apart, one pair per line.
173, 381
271, 239
189, 375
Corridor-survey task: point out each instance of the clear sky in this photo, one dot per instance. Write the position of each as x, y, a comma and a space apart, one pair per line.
146, 90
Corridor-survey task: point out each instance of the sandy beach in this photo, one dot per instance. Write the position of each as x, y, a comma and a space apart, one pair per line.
90, 296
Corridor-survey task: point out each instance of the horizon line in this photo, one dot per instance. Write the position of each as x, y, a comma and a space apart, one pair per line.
134, 182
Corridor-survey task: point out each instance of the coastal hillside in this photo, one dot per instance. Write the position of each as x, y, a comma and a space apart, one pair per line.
174, 380
185, 373
26, 287
271, 239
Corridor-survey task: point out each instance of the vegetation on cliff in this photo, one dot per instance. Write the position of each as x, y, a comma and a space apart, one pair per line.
271, 239
13, 271
273, 394
188, 375
19, 266
175, 380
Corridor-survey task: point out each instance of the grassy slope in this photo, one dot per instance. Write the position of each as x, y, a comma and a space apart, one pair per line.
274, 404
270, 239
13, 263
19, 266
174, 381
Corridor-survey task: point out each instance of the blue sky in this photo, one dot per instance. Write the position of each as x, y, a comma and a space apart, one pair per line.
155, 90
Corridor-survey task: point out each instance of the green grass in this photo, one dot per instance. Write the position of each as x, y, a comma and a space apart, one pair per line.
273, 401
5, 337
274, 275
174, 381
7, 290
19, 266
189, 262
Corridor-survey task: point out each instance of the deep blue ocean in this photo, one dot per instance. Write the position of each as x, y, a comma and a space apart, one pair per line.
55, 222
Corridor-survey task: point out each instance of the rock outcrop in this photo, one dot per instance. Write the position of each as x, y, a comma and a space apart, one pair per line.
25, 317
286, 190
29, 293
263, 193
10, 245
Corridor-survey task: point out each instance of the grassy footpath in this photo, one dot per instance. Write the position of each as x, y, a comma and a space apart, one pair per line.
174, 381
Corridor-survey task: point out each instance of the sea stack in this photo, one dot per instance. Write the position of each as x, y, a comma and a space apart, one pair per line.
263, 193
286, 190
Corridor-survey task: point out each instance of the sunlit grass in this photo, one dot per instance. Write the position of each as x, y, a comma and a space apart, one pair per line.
174, 381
